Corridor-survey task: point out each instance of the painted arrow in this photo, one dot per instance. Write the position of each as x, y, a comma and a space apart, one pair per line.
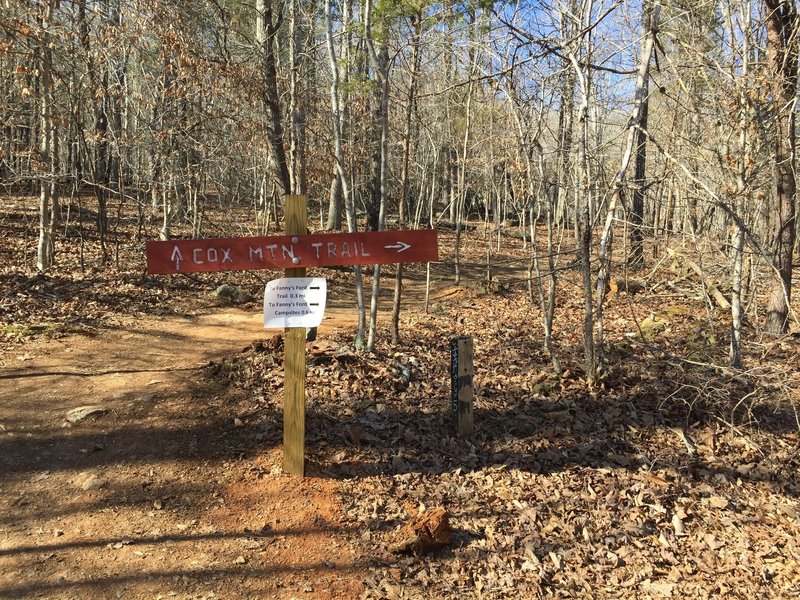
177, 257
400, 246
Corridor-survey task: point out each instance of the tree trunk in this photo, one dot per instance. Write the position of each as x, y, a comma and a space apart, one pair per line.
636, 257
48, 151
375, 155
782, 52
335, 204
583, 209
743, 166
564, 149
380, 63
404, 175
340, 167
99, 163
462, 171
634, 126
266, 30
297, 108
735, 354
337, 197
450, 162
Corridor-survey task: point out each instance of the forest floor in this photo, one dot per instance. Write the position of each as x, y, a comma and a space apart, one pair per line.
673, 477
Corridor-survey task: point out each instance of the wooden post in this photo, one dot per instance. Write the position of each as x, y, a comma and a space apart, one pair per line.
294, 358
461, 372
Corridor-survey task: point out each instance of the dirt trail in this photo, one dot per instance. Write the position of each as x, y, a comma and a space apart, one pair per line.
162, 495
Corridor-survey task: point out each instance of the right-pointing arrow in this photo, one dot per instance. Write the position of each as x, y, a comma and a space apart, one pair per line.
400, 246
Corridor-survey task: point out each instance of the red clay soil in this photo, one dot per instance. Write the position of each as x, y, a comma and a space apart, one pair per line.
161, 494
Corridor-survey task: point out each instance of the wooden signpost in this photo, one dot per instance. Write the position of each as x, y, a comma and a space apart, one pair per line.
293, 252
294, 360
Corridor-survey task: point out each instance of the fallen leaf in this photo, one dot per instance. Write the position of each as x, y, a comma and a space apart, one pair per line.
718, 502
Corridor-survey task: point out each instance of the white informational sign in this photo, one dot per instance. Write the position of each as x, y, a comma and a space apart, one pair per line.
294, 302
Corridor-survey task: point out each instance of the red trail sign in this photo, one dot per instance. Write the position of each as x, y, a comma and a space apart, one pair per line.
287, 251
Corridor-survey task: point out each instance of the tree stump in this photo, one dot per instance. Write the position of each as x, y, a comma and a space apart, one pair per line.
425, 532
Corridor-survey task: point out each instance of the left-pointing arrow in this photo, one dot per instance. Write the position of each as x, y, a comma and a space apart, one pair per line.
400, 246
177, 257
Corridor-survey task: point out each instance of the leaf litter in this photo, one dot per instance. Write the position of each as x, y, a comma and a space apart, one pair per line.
646, 487
669, 479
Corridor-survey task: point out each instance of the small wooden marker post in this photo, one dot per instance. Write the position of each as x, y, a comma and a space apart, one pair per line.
461, 372
294, 358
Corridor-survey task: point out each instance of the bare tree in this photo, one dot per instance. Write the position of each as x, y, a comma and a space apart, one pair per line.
268, 21
48, 142
636, 252
573, 50
298, 175
782, 62
634, 126
416, 22
340, 167
380, 65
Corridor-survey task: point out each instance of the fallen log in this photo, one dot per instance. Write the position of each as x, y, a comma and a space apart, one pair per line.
711, 288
